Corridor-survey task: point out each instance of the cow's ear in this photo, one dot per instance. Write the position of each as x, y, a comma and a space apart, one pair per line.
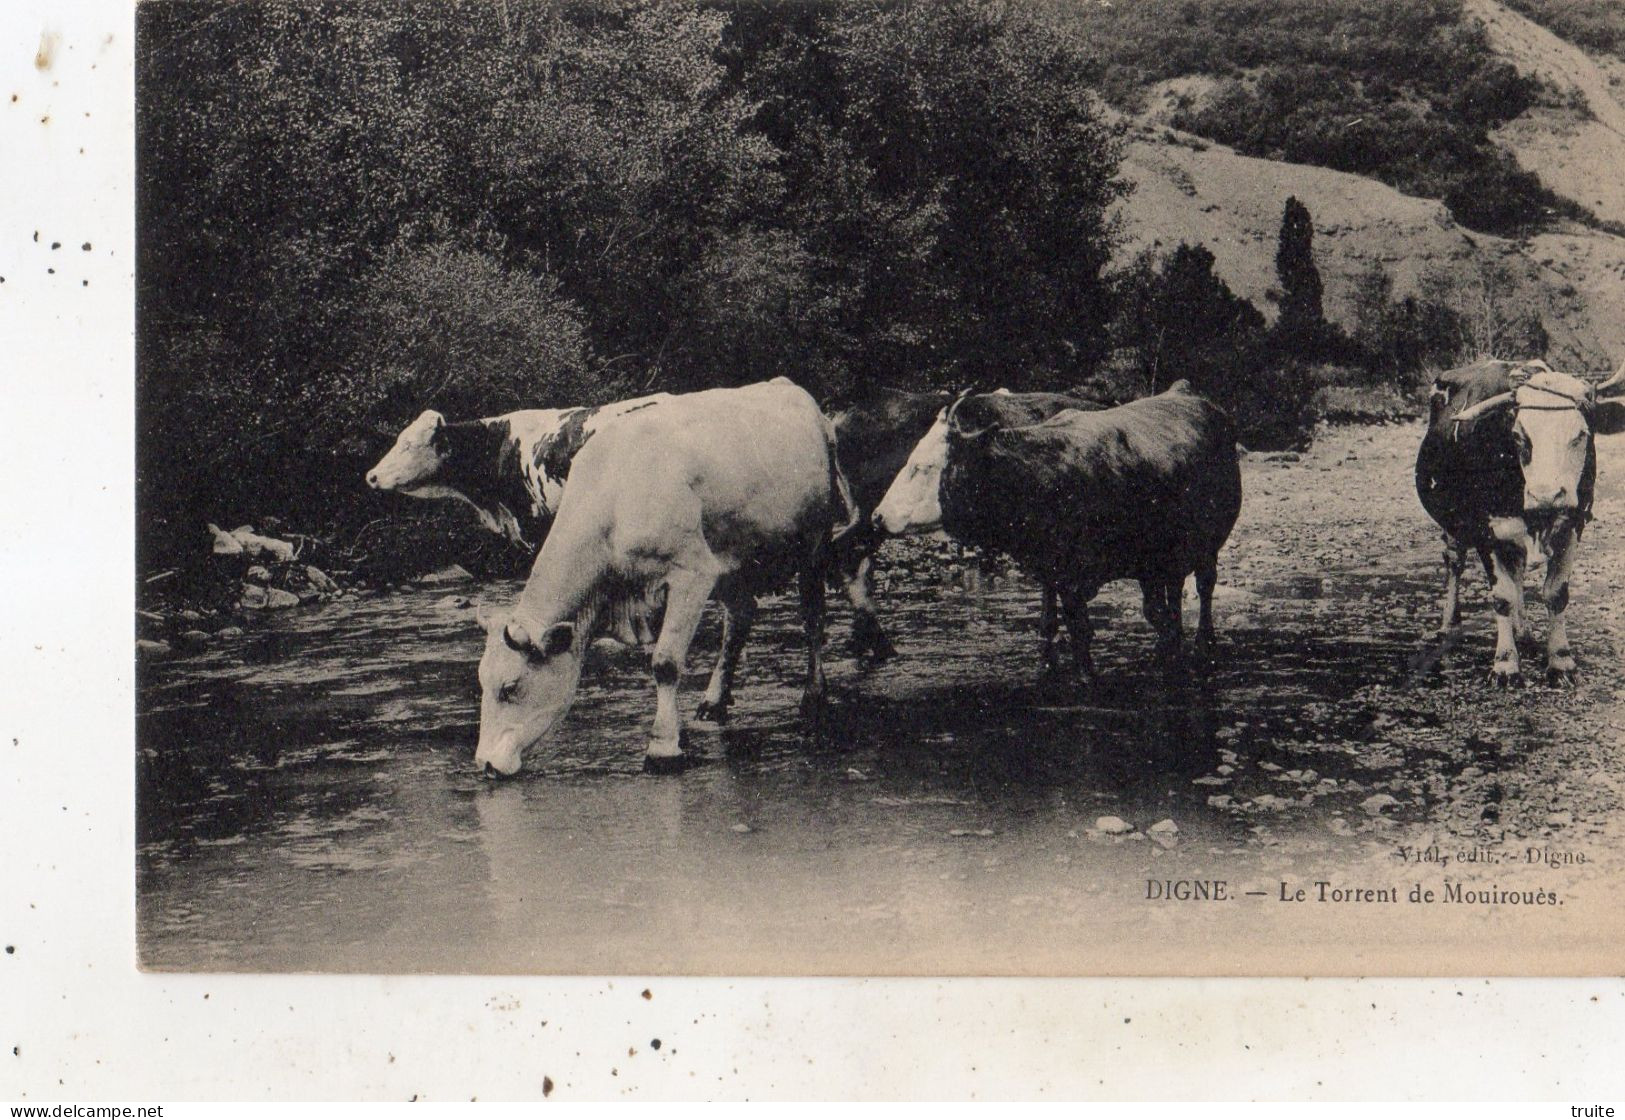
558, 639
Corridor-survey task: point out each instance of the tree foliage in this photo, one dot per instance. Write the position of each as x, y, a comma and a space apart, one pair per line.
351, 212
1302, 317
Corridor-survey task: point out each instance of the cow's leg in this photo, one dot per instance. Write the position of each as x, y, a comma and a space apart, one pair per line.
1075, 604
812, 624
1161, 607
1207, 578
686, 593
1560, 666
1048, 624
1455, 562
1507, 559
738, 612
867, 635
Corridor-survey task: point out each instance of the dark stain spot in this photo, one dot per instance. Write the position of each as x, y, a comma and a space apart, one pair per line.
555, 455
51, 271
647, 994
547, 1086
654, 1044
85, 248
56, 245
10, 949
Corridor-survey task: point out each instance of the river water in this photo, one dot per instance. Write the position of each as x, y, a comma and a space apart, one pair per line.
307, 799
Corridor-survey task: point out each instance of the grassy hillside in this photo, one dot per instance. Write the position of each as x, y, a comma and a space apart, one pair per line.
1596, 25
1404, 91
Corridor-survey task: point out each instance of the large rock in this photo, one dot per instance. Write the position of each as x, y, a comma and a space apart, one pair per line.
257, 598
454, 573
224, 543
149, 650
320, 580
243, 541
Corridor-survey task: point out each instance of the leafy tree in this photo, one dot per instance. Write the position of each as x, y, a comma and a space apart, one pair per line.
1301, 314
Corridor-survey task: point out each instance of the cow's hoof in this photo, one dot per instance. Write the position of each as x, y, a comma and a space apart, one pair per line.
665, 763
1506, 678
1559, 677
713, 713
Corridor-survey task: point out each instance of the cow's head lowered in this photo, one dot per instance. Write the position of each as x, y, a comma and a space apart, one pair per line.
528, 678
1552, 415
416, 459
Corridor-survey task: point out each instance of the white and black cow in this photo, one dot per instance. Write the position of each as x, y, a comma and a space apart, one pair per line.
510, 468
874, 440
1147, 490
722, 493
1507, 468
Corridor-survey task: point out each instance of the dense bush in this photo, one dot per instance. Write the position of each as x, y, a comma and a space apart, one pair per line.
1176, 319
352, 212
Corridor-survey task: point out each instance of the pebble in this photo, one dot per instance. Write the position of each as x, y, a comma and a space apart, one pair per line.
742, 828
1164, 827
1377, 802
1113, 826
229, 632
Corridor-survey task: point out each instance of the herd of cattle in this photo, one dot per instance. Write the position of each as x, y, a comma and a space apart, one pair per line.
647, 509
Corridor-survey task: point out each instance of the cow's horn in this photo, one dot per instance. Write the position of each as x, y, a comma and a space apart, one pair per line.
952, 411
517, 637
1482, 407
1613, 382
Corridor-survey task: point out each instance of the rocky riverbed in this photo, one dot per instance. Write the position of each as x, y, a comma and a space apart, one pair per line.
307, 799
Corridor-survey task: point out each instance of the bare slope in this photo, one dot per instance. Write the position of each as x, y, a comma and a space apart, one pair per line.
1577, 151
1188, 189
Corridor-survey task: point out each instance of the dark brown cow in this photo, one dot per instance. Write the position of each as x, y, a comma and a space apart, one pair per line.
1148, 491
873, 441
